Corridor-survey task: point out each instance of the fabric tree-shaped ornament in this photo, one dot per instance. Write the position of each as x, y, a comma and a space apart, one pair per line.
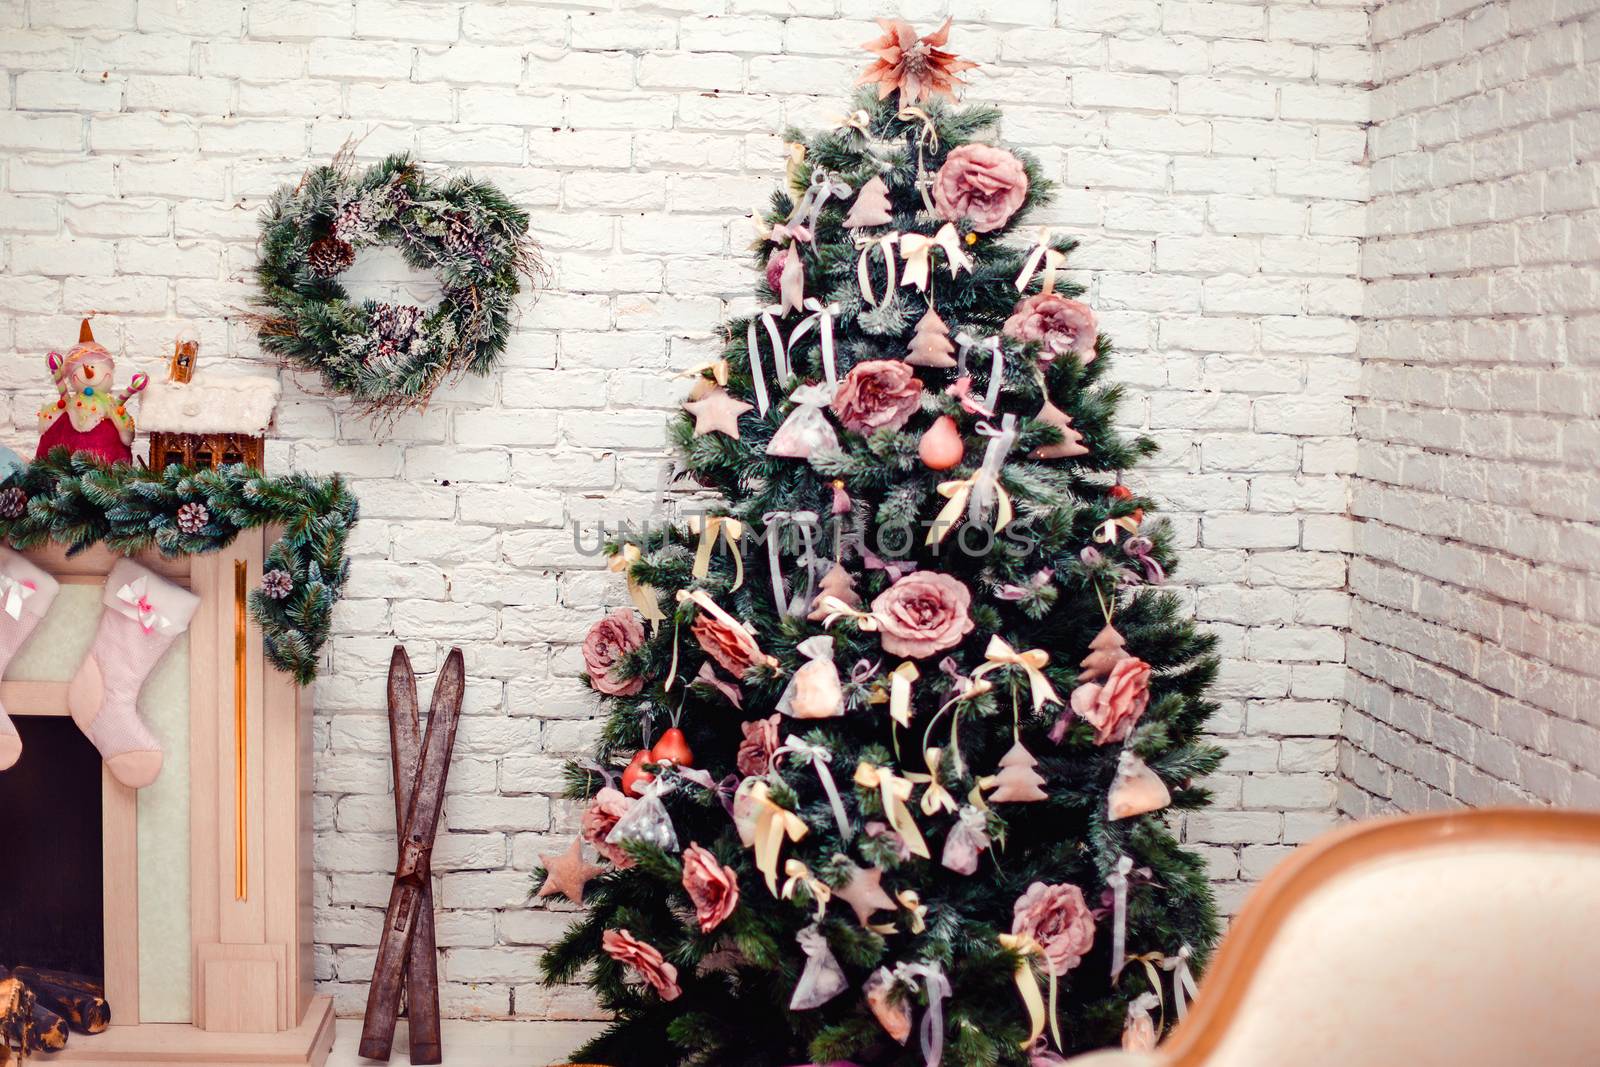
1017, 782
1105, 652
838, 584
930, 344
871, 207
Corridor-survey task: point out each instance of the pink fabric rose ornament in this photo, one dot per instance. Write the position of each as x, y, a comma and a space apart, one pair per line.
1115, 706
645, 960
608, 641
878, 394
1057, 917
713, 888
760, 742
1061, 326
981, 183
923, 613
608, 806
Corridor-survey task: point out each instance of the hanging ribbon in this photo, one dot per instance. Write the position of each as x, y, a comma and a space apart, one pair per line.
820, 759
885, 246
821, 317
916, 249
1052, 260
977, 493
16, 591
1000, 654
794, 159
1118, 881
936, 797
1028, 983
703, 601
823, 186
587, 764
930, 978
927, 141
800, 875
710, 528
805, 522
780, 356
773, 824
136, 595
1140, 548
895, 791
783, 233
1183, 987
997, 366
1109, 531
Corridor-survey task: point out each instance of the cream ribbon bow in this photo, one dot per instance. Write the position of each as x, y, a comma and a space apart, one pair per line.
895, 791
710, 528
1000, 654
983, 488
1028, 984
644, 596
1052, 260
916, 249
136, 594
16, 591
800, 875
936, 796
773, 824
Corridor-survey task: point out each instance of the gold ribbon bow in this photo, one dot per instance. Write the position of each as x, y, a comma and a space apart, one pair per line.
936, 796
857, 120
895, 791
916, 249
1028, 985
710, 527
1000, 654
1052, 260
644, 596
716, 368
773, 824
910, 901
794, 159
956, 494
899, 695
1108, 532
837, 609
800, 875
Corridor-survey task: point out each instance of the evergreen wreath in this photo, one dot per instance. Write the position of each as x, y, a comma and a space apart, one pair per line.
77, 500
390, 357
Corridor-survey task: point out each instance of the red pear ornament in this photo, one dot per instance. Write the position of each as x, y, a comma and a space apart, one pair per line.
941, 447
672, 747
635, 777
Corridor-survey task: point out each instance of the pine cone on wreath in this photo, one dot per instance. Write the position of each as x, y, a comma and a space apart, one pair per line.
329, 256
13, 502
462, 240
349, 222
192, 517
276, 584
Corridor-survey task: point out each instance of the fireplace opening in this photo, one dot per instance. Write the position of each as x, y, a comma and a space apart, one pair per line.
51, 862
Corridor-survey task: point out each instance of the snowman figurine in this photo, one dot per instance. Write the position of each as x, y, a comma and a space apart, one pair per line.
89, 415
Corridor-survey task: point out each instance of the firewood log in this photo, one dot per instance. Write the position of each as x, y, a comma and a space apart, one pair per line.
48, 1031
79, 1000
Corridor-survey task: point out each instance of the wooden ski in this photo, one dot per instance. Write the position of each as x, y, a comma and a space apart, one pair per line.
412, 871
421, 980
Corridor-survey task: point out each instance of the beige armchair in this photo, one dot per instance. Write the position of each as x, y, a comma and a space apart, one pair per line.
1452, 940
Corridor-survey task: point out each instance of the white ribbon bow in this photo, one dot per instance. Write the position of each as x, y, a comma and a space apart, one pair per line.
885, 246
997, 366
806, 523
16, 591
821, 317
1118, 881
937, 987
823, 185
1183, 987
136, 594
917, 251
820, 759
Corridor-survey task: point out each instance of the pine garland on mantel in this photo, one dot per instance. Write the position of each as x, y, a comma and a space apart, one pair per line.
77, 501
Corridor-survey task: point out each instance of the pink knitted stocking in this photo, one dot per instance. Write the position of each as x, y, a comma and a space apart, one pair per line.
25, 595
144, 614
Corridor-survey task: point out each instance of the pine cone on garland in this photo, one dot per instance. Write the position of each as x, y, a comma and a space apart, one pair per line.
276, 584
192, 517
330, 256
13, 502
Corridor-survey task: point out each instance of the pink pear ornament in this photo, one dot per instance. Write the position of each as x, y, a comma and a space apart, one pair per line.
941, 446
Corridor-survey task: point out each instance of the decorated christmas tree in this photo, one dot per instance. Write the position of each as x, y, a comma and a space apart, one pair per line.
897, 788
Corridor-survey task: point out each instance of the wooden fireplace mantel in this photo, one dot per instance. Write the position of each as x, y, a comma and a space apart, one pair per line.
250, 908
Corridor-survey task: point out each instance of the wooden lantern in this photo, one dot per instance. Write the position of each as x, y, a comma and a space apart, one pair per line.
209, 423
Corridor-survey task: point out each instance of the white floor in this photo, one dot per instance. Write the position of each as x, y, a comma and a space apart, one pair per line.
476, 1044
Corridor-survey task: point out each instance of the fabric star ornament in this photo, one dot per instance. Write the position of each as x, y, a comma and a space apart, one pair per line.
717, 411
864, 892
567, 873
916, 67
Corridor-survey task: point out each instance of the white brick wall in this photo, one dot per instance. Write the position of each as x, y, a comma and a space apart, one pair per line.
1211, 161
1475, 678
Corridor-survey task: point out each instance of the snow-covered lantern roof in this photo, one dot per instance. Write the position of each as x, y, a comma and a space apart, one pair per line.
210, 420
